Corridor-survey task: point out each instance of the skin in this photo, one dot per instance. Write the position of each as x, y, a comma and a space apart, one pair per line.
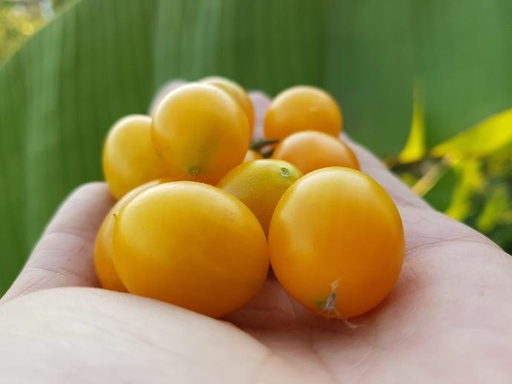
449, 319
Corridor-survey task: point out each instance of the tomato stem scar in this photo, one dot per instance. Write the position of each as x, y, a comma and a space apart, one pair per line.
329, 303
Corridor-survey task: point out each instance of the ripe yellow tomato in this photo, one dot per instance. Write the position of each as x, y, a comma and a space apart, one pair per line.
200, 132
103, 247
192, 245
259, 184
129, 158
252, 155
336, 242
302, 108
312, 150
236, 91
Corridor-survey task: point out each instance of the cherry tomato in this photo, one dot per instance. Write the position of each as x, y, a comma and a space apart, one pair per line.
252, 155
312, 150
302, 108
336, 242
236, 91
129, 158
259, 184
192, 245
200, 132
103, 247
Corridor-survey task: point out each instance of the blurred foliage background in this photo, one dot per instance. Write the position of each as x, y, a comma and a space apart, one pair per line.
19, 19
444, 126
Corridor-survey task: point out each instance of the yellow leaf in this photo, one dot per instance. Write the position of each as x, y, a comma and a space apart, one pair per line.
495, 206
471, 180
484, 139
415, 148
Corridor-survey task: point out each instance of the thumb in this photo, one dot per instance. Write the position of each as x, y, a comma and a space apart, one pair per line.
63, 256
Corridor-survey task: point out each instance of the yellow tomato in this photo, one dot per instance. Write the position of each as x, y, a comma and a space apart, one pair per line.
312, 150
236, 91
103, 247
252, 155
200, 132
302, 108
336, 242
192, 245
129, 158
259, 184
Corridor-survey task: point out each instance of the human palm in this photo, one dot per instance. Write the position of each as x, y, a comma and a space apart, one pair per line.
449, 319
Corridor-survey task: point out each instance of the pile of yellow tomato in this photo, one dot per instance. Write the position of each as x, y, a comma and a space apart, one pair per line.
203, 214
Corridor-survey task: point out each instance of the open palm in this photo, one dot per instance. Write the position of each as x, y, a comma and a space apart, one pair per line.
449, 319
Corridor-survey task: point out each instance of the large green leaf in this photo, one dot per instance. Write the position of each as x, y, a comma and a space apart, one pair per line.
106, 58
59, 94
370, 69
463, 58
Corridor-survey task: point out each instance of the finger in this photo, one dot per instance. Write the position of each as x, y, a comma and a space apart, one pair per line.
64, 255
260, 102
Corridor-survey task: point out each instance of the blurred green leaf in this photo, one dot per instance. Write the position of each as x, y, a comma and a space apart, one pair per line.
370, 69
501, 235
103, 59
441, 193
59, 94
16, 26
463, 59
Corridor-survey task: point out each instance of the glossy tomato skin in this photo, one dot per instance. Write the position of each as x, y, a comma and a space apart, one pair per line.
104, 244
259, 184
200, 132
129, 158
336, 242
192, 245
302, 108
312, 150
237, 92
252, 155
103, 263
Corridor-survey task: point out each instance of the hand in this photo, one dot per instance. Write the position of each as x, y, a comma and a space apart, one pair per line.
449, 319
